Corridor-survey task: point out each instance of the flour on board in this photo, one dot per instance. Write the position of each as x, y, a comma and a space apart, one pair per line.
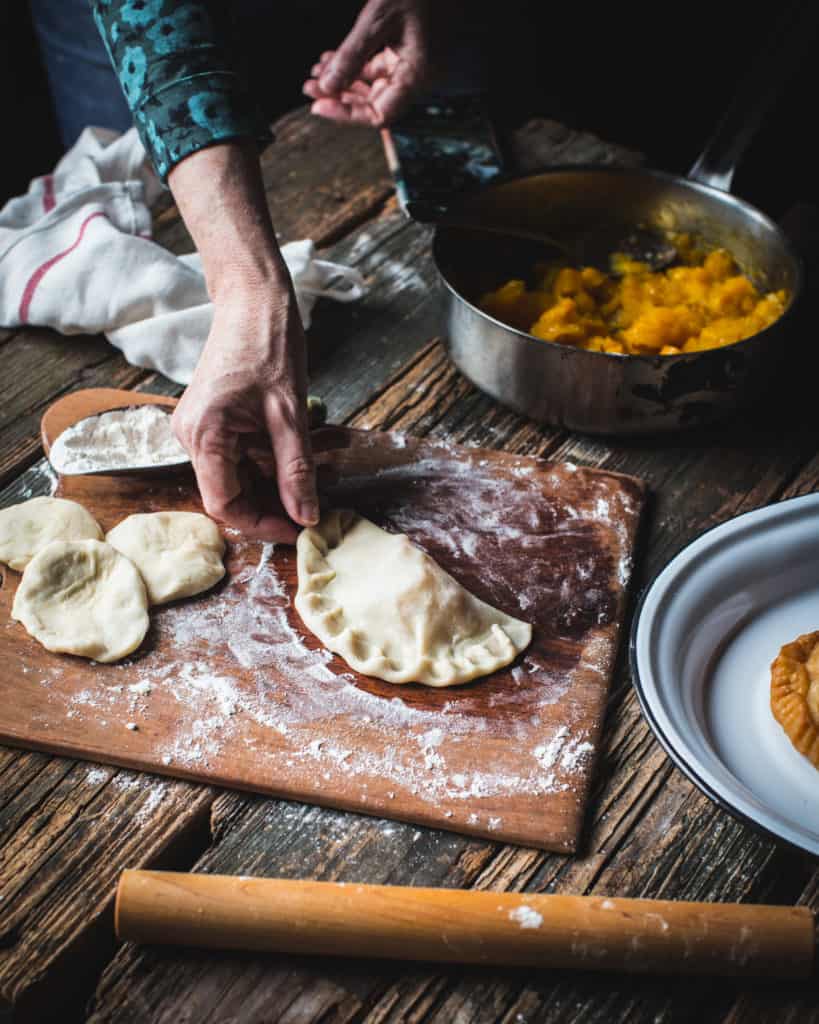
426, 752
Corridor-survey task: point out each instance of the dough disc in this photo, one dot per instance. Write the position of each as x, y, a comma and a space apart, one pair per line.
178, 553
83, 597
26, 528
392, 612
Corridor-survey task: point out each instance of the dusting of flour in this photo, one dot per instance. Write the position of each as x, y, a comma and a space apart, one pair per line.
219, 660
122, 438
526, 917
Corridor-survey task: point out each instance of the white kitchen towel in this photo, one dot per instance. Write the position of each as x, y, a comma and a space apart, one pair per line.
76, 254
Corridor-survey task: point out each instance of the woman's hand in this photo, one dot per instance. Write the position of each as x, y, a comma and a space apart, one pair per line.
245, 409
243, 419
378, 68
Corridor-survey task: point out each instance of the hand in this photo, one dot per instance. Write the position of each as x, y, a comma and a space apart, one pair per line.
247, 400
377, 69
248, 393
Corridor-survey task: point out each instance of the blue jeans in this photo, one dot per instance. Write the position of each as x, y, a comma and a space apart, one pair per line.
84, 88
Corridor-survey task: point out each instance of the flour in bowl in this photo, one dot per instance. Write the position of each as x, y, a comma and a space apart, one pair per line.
120, 439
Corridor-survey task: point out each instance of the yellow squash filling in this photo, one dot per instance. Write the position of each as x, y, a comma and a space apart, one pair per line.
705, 303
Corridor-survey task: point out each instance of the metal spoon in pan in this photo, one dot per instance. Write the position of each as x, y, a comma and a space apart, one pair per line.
643, 244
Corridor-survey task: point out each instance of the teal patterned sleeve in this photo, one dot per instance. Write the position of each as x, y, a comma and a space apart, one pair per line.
174, 63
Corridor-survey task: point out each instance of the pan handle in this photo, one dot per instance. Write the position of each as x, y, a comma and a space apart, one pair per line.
759, 88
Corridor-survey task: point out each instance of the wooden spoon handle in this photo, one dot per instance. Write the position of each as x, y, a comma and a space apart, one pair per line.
401, 923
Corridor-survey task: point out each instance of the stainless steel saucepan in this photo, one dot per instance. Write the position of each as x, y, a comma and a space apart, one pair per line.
603, 393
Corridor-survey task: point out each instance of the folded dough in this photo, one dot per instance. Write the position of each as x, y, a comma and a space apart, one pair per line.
179, 554
795, 693
26, 528
392, 612
83, 597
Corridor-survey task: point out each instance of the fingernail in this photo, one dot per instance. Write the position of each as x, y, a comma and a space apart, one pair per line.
309, 512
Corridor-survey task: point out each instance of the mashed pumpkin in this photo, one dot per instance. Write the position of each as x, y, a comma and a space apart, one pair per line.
706, 303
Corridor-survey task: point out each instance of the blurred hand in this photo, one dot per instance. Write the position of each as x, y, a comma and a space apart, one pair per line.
374, 74
243, 419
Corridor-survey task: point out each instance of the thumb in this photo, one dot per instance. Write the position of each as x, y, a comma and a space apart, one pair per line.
364, 40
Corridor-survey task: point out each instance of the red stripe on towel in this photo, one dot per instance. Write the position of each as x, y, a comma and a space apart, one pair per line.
42, 270
49, 199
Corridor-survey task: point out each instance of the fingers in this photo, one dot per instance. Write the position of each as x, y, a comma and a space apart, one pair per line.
295, 471
335, 110
365, 38
311, 89
382, 65
215, 461
227, 493
379, 66
359, 92
399, 80
391, 101
352, 106
385, 87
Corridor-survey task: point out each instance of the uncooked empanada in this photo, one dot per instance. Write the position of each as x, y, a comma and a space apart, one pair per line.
392, 612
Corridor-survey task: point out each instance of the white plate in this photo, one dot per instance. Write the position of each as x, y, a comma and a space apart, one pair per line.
704, 637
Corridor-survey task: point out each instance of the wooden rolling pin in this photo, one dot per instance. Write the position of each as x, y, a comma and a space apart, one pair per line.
400, 923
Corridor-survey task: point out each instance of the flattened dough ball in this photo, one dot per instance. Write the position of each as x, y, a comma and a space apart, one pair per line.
391, 611
83, 597
26, 528
178, 553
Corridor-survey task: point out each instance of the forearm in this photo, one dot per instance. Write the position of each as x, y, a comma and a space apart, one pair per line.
220, 194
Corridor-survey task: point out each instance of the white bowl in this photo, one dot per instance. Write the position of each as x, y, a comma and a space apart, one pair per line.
705, 634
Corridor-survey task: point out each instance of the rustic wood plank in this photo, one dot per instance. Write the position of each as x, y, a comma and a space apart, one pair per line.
641, 804
6, 334
71, 820
355, 350
38, 366
799, 1005
541, 142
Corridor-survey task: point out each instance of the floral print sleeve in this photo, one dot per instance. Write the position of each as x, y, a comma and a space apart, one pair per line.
174, 62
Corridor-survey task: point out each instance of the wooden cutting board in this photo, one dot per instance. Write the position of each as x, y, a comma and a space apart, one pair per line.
229, 688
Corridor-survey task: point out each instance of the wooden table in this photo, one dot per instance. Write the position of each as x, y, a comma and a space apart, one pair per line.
68, 828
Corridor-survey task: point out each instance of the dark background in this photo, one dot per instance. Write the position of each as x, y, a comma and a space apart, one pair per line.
655, 77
